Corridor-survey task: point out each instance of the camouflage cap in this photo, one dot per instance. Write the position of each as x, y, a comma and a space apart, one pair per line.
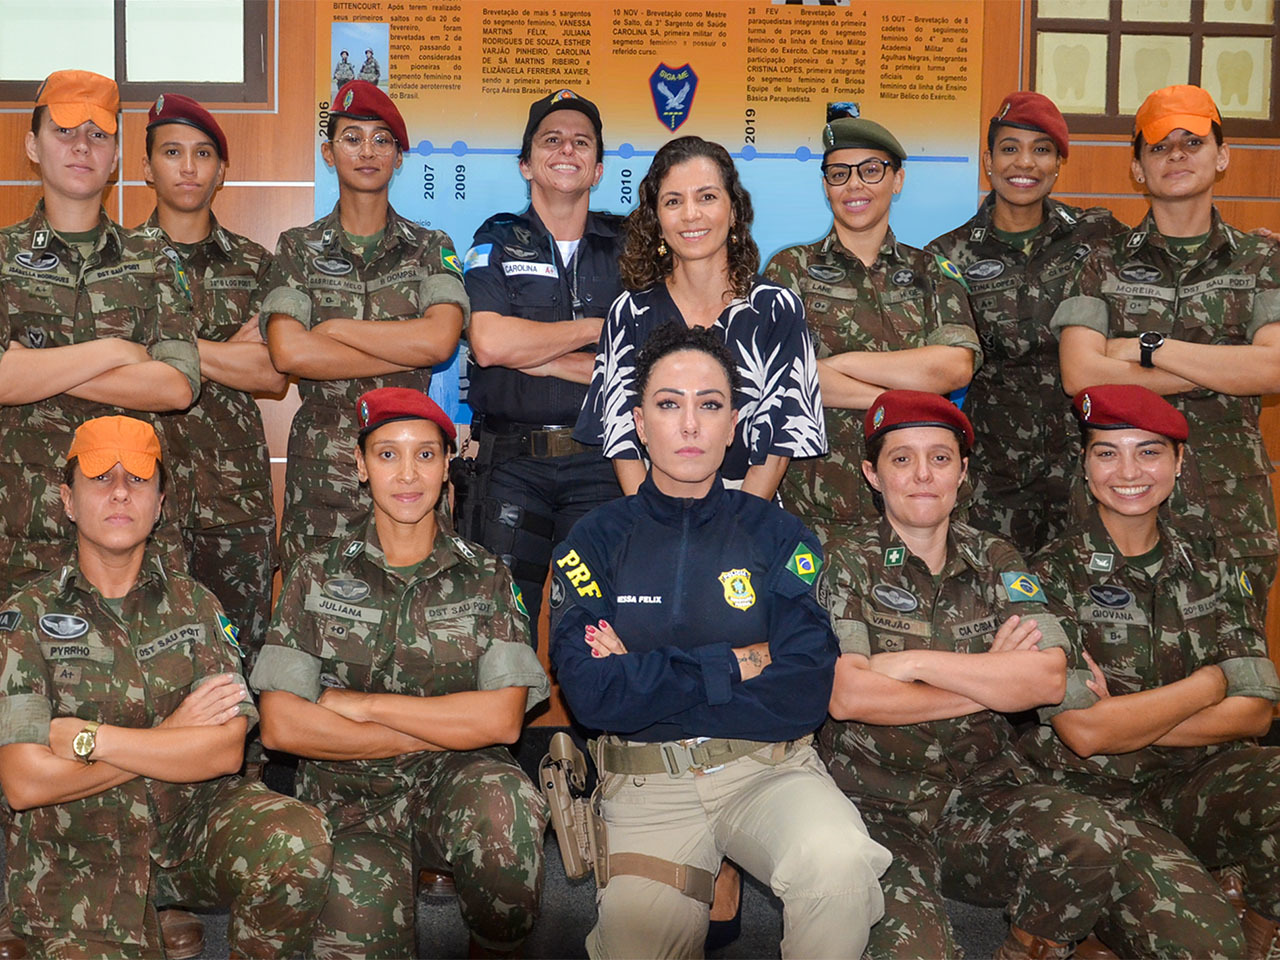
175, 108
362, 100
899, 409
848, 132
76, 96
1127, 406
103, 442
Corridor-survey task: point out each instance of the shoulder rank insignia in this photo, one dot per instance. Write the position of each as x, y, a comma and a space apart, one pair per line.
738, 592
1022, 586
230, 633
803, 564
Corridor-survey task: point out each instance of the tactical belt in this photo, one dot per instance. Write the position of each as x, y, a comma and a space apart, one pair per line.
530, 439
679, 757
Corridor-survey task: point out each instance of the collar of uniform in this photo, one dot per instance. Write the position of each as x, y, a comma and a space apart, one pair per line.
109, 230
672, 510
889, 249
958, 549
1060, 217
596, 224
217, 240
1175, 550
72, 579
397, 231
444, 554
1220, 235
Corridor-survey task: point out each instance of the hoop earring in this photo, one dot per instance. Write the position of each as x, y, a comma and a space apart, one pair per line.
662, 247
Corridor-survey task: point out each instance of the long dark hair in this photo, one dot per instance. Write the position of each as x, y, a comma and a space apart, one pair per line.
641, 265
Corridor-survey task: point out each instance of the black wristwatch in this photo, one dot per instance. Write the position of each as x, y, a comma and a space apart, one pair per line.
1149, 342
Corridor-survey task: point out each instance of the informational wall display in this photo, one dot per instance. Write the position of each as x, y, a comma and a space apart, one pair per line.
754, 76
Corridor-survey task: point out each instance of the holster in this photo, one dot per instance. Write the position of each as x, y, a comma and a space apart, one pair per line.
469, 478
563, 777
583, 835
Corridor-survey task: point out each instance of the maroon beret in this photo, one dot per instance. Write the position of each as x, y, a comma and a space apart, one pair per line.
1126, 406
896, 409
175, 108
389, 404
362, 100
1028, 110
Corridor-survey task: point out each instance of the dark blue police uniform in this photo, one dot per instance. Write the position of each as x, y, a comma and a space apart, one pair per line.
533, 480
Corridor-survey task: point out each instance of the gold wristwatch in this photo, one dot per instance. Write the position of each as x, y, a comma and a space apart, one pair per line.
85, 741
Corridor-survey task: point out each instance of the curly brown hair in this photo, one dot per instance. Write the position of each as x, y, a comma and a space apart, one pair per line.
641, 265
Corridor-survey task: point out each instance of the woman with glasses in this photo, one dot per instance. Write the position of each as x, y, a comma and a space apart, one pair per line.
358, 300
1017, 253
884, 316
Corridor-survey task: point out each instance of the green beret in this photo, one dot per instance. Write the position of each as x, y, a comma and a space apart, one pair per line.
846, 132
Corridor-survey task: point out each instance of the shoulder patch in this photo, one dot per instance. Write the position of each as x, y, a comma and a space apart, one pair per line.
804, 564
1021, 586
477, 256
230, 633
949, 269
9, 619
1246, 586
518, 598
450, 260
578, 574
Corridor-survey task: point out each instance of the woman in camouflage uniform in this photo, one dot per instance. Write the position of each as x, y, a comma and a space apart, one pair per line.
1184, 685
399, 665
942, 632
883, 315
1017, 254
122, 717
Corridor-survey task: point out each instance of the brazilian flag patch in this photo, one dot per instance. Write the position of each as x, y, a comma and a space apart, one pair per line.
518, 597
949, 269
450, 260
1246, 586
230, 633
1022, 586
804, 564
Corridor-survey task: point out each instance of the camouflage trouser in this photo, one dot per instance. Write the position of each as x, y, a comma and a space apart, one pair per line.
1027, 516
476, 815
265, 856
1046, 854
237, 563
1224, 811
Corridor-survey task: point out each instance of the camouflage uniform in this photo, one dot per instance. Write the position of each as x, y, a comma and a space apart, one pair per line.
346, 619
218, 448
314, 276
1027, 444
126, 288
1224, 293
1212, 805
954, 800
83, 876
906, 299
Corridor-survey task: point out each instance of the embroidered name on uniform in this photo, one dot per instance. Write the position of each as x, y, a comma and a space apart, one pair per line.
882, 621
230, 283
1225, 282
403, 275
637, 598
578, 574
974, 628
1095, 614
515, 268
77, 651
182, 636
476, 606
1198, 608
334, 608
1167, 294
119, 270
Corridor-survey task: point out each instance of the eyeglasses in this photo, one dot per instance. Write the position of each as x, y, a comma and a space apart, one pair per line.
381, 144
869, 171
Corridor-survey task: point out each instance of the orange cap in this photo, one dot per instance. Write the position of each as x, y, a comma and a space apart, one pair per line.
1170, 108
74, 96
103, 442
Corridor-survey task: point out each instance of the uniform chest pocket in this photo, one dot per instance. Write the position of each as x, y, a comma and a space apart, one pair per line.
83, 675
395, 296
444, 653
346, 648
537, 290
597, 294
169, 669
